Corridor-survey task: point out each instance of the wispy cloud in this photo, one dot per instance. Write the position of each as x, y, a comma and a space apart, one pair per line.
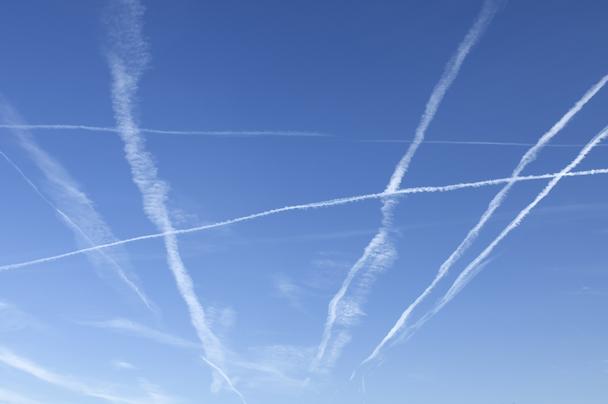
288, 290
212, 133
143, 331
127, 57
275, 366
494, 204
12, 397
380, 253
476, 265
123, 365
306, 206
12, 318
25, 365
72, 205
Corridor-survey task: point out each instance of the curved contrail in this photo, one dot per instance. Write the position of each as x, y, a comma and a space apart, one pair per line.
494, 204
306, 206
380, 250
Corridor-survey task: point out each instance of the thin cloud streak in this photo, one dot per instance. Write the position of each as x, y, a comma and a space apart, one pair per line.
494, 204
127, 59
139, 330
69, 195
15, 361
213, 133
481, 260
307, 206
380, 248
131, 327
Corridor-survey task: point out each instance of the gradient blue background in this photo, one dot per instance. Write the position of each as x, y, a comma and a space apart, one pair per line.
529, 329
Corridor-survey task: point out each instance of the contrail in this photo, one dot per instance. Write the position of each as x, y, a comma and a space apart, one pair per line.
225, 377
494, 204
69, 193
474, 143
218, 133
307, 206
127, 59
381, 239
472, 269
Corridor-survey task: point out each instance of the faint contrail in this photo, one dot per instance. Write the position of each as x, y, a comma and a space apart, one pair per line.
381, 239
218, 133
471, 270
68, 194
127, 59
494, 204
307, 206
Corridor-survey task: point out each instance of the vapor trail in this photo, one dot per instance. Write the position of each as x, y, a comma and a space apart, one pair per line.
225, 377
127, 59
474, 143
227, 133
307, 206
473, 268
494, 204
68, 194
379, 249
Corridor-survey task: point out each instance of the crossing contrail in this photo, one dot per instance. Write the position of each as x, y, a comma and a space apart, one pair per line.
307, 206
380, 250
473, 268
494, 204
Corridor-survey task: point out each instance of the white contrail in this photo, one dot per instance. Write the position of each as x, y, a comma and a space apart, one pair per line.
381, 240
216, 133
307, 206
494, 204
15, 361
225, 377
127, 58
68, 194
474, 143
472, 269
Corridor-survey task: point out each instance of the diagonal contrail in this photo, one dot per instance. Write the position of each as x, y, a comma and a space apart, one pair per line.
307, 206
494, 204
127, 59
217, 133
69, 195
479, 262
379, 250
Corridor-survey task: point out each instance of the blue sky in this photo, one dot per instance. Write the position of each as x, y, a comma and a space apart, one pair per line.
290, 103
